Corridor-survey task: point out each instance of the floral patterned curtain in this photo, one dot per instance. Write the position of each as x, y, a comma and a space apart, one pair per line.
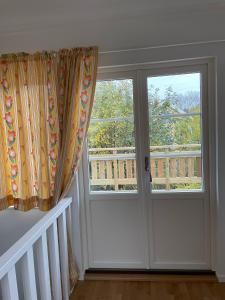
77, 78
45, 106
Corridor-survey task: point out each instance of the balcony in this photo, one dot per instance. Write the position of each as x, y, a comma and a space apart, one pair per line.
173, 167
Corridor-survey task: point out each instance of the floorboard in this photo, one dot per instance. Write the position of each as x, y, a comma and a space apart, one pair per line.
180, 288
149, 277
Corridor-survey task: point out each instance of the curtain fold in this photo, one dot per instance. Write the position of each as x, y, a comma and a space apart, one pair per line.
27, 107
77, 89
45, 106
76, 86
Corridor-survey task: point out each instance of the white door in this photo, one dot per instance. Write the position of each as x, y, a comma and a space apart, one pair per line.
116, 219
149, 121
175, 104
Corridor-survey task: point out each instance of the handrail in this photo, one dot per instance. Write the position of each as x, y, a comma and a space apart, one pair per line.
155, 155
14, 253
23, 246
172, 147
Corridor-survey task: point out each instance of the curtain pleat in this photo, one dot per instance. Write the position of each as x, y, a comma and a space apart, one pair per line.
77, 81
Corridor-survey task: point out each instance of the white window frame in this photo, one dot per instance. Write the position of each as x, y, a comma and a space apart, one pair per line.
203, 70
118, 194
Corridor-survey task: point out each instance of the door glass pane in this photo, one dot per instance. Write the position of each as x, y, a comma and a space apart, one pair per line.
175, 132
111, 138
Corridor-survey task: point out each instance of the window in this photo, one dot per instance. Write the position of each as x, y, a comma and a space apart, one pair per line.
111, 138
174, 103
165, 138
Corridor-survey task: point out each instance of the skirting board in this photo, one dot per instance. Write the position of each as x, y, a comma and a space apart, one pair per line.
81, 276
150, 271
153, 276
221, 278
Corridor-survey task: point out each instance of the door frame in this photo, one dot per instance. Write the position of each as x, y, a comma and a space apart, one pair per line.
108, 72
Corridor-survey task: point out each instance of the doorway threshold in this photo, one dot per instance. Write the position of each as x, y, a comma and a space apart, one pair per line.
151, 275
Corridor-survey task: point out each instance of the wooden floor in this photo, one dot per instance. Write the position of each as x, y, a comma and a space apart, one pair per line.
164, 288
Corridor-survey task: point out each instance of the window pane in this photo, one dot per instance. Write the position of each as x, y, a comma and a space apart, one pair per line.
172, 94
111, 138
175, 132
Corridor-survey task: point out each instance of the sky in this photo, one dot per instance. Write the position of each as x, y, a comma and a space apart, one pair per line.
180, 83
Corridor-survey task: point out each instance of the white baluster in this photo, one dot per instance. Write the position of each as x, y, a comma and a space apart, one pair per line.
54, 262
43, 268
64, 254
28, 276
9, 286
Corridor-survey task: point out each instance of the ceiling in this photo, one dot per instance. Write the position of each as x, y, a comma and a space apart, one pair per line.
27, 25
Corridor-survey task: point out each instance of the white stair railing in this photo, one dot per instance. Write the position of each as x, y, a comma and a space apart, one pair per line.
42, 253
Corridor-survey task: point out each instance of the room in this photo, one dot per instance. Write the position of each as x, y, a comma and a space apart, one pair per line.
112, 150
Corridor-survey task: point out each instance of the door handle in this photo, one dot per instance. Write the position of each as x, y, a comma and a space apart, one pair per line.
147, 167
147, 164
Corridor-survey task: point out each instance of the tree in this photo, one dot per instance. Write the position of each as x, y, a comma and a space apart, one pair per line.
112, 117
187, 130
160, 126
112, 122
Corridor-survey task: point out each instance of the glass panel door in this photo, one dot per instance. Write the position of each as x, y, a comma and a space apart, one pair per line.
178, 197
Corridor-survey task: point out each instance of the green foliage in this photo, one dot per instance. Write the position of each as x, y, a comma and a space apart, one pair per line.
114, 104
172, 130
186, 186
161, 128
188, 129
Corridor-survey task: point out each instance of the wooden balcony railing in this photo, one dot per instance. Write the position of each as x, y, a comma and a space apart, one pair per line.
115, 168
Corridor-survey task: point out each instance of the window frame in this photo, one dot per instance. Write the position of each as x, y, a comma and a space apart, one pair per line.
180, 71
174, 70
120, 75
